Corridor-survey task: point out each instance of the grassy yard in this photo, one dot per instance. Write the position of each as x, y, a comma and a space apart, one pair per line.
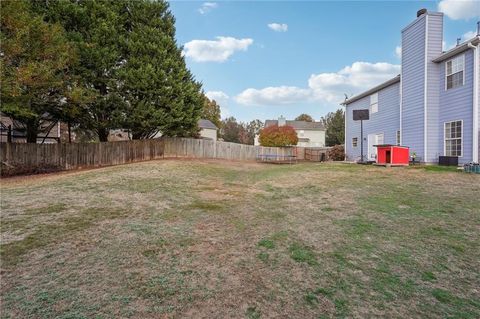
209, 239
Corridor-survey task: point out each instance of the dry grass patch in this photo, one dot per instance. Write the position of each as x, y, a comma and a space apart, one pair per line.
211, 239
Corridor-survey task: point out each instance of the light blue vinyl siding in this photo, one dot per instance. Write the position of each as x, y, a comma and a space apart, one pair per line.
434, 49
426, 104
413, 83
457, 104
386, 120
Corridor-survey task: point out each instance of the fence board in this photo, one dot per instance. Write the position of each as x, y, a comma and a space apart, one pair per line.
79, 155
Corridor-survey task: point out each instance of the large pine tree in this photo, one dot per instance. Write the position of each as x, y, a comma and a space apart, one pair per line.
35, 62
130, 60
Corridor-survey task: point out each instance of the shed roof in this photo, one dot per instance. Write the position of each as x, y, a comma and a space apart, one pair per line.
206, 124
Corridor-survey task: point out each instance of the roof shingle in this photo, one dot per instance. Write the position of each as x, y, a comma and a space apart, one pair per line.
206, 124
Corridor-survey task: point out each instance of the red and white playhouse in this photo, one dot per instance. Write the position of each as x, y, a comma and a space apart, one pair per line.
392, 155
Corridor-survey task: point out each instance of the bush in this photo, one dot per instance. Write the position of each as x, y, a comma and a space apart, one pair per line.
336, 153
278, 136
13, 169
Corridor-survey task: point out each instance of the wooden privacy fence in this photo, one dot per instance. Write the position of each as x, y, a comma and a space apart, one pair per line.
187, 147
78, 155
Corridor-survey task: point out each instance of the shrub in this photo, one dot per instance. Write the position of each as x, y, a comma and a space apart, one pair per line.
336, 153
278, 136
12, 169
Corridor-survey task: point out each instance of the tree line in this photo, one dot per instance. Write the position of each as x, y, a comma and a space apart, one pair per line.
234, 131
96, 65
100, 65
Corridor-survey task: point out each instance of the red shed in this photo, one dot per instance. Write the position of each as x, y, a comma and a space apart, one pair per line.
393, 155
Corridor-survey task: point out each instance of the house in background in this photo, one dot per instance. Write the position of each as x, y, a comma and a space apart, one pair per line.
310, 134
50, 132
208, 130
432, 107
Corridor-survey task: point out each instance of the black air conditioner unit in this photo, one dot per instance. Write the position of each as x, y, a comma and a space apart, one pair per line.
448, 160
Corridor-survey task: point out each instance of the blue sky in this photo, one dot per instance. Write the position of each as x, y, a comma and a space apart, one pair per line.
271, 58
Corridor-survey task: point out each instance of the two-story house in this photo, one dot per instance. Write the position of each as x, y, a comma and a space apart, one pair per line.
432, 106
310, 134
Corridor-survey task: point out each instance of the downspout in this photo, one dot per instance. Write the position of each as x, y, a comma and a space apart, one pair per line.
475, 101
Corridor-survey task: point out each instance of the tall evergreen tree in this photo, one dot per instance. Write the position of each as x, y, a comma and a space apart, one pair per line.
35, 62
130, 60
93, 26
334, 123
160, 91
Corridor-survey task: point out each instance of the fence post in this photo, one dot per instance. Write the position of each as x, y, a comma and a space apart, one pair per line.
9, 134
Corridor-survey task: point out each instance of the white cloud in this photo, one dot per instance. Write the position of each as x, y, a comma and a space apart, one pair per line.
324, 87
222, 99
398, 52
278, 27
273, 95
218, 96
207, 7
353, 79
468, 35
460, 9
218, 50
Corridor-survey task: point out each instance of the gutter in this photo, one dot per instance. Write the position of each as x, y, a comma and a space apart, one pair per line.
476, 59
458, 49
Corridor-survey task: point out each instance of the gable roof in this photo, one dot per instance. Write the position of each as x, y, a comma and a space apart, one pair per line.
299, 125
206, 124
372, 90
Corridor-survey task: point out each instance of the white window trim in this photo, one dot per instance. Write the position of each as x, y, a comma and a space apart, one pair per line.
352, 141
445, 138
372, 104
446, 75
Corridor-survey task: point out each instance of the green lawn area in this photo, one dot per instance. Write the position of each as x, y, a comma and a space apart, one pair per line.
213, 239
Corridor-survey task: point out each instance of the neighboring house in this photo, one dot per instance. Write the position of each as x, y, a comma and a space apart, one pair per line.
119, 135
49, 132
310, 134
208, 130
432, 107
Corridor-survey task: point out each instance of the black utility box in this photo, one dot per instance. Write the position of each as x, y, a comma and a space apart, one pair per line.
448, 160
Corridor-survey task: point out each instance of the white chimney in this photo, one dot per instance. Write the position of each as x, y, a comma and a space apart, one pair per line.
281, 121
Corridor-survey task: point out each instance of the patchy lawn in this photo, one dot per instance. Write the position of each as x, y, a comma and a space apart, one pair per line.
209, 239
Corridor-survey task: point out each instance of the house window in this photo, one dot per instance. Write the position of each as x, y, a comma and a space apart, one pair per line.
355, 141
398, 137
454, 72
374, 103
453, 138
